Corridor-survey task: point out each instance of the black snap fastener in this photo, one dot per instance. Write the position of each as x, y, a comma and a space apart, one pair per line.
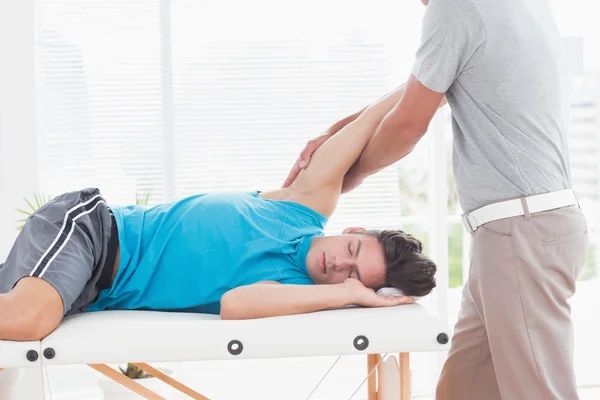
235, 347
49, 353
32, 355
361, 343
442, 338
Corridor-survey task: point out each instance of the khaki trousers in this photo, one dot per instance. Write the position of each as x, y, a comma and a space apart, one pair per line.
514, 336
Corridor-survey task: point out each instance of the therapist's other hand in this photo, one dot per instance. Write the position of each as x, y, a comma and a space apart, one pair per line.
304, 158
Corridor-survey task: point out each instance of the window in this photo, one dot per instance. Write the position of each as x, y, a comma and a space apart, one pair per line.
180, 97
177, 97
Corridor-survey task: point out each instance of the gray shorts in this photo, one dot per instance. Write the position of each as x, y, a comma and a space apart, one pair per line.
71, 243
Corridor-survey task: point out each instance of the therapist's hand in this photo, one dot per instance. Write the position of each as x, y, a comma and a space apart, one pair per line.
304, 158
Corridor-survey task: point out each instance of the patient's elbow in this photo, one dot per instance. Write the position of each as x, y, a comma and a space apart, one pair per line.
230, 309
227, 313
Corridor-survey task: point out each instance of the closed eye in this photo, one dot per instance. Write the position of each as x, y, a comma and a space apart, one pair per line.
354, 274
355, 269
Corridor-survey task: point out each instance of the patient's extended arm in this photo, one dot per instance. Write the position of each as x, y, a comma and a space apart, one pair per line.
315, 143
331, 161
319, 185
409, 126
270, 299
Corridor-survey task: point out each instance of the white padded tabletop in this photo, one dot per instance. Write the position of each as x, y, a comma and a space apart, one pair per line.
121, 336
15, 354
149, 336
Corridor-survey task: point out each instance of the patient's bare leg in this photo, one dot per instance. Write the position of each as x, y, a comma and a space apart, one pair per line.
31, 311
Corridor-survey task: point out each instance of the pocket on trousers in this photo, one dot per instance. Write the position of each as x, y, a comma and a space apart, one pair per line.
566, 256
495, 235
493, 260
565, 238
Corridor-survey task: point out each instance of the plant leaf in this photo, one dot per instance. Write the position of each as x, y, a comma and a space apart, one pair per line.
39, 201
30, 205
23, 211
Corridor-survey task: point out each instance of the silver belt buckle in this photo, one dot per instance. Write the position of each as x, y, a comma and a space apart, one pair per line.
467, 223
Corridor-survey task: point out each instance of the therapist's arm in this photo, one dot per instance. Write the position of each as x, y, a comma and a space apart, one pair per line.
398, 133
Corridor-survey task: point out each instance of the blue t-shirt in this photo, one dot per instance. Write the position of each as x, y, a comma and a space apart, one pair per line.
184, 255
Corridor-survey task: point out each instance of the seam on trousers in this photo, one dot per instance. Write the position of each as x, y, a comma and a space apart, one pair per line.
535, 361
477, 365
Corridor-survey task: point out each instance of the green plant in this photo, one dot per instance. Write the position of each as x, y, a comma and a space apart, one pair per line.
590, 269
455, 255
143, 198
134, 372
454, 249
38, 201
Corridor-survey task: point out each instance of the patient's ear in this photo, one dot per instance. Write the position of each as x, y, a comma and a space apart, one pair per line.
353, 230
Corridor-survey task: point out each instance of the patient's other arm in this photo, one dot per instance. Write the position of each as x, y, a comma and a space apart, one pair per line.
270, 299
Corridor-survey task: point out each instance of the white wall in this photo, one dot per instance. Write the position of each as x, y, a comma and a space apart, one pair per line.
18, 145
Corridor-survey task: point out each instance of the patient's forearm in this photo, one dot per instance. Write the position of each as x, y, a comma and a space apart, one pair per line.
335, 128
393, 95
268, 300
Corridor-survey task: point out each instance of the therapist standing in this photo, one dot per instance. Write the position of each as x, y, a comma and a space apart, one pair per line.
501, 66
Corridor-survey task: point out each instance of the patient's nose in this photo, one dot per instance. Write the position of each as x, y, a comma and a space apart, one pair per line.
340, 265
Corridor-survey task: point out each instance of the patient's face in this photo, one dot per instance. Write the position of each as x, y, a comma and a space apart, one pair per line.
332, 259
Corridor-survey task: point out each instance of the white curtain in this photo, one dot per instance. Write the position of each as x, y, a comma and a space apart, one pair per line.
186, 96
180, 97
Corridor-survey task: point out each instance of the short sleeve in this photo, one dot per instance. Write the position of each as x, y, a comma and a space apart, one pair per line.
452, 41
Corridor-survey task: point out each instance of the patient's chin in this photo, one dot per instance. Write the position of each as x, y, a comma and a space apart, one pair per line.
316, 278
314, 275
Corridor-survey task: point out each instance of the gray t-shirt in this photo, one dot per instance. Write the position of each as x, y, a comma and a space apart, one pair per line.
502, 66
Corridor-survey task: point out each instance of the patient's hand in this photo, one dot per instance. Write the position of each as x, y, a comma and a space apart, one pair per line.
361, 295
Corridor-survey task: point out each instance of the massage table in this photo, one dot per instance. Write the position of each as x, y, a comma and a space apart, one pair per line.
142, 337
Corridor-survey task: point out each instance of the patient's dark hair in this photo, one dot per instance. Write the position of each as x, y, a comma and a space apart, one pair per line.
406, 268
